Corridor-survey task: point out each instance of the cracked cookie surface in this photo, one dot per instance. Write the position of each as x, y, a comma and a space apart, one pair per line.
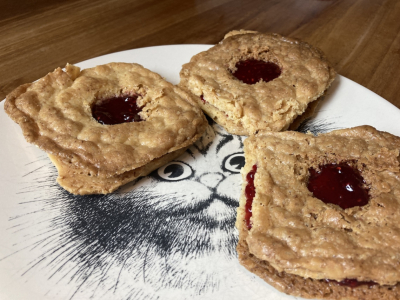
55, 114
244, 108
297, 234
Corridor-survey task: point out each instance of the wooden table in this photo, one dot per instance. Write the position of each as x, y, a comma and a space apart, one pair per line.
360, 37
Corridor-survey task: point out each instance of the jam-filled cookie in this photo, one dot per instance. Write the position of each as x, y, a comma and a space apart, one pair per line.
107, 125
252, 81
319, 215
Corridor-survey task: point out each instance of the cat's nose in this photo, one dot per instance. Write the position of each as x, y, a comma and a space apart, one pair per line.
211, 180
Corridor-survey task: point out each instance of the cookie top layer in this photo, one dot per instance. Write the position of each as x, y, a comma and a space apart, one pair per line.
55, 114
243, 108
300, 234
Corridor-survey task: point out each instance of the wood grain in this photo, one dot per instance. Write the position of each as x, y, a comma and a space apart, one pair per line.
360, 37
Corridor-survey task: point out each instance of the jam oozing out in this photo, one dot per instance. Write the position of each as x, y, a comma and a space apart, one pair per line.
117, 110
202, 99
249, 192
339, 184
251, 71
352, 282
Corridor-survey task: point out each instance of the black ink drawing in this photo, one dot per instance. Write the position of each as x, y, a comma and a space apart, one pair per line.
169, 231
316, 126
169, 235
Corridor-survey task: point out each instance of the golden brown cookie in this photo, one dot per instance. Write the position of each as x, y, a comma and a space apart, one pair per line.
313, 288
56, 114
320, 213
252, 81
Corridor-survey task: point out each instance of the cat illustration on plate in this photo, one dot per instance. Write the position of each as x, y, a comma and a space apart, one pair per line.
169, 234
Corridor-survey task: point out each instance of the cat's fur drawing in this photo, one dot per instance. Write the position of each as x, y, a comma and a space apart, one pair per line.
172, 230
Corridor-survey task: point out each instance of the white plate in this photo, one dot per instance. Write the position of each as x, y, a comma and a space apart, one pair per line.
166, 236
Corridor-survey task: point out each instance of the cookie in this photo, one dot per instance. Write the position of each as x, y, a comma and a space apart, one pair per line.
252, 81
318, 215
313, 288
107, 125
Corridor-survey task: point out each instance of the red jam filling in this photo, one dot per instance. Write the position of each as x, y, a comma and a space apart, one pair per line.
352, 282
202, 99
338, 184
251, 71
117, 110
249, 192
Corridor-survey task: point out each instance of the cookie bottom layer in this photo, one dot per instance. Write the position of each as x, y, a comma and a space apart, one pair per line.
309, 288
308, 113
79, 181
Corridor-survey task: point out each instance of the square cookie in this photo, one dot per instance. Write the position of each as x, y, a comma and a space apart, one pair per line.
315, 245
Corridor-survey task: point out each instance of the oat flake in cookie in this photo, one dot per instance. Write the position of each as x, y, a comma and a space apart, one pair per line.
252, 81
321, 247
96, 148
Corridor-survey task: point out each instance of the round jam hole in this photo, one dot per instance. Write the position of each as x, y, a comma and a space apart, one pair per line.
117, 110
338, 184
251, 71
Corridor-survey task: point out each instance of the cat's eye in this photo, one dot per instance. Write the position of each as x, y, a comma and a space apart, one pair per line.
175, 171
234, 162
